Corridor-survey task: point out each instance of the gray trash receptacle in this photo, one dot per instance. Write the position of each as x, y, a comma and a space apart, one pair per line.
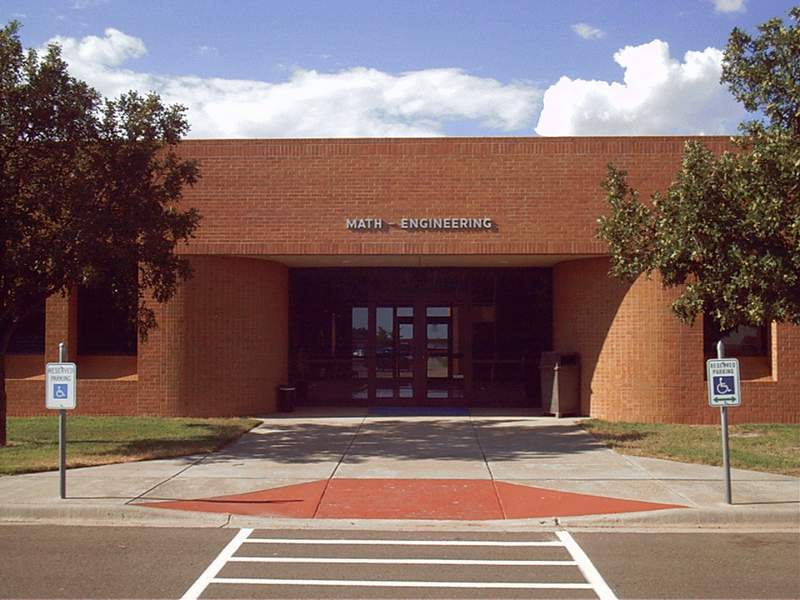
286, 397
561, 383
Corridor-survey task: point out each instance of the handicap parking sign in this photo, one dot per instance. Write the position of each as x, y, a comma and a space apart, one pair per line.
60, 382
724, 385
723, 382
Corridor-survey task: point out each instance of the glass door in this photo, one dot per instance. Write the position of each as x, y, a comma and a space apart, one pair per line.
394, 354
359, 358
444, 378
407, 354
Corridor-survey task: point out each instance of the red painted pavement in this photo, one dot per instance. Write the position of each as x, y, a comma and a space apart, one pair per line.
450, 499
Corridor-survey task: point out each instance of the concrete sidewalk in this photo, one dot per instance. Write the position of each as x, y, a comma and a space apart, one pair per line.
527, 450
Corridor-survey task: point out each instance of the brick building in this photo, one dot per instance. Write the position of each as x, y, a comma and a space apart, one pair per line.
424, 272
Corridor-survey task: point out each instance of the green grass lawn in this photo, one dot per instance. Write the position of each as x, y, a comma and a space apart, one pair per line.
33, 441
759, 447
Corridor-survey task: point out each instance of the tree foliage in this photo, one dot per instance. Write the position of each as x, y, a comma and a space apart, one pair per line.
763, 72
728, 227
88, 192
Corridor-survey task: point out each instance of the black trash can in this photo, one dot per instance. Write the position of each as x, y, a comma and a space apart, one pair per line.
286, 397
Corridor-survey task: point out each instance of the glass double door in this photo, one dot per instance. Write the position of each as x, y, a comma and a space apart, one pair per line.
412, 356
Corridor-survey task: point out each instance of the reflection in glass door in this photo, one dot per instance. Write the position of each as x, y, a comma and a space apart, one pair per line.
444, 378
403, 356
359, 346
394, 353
405, 352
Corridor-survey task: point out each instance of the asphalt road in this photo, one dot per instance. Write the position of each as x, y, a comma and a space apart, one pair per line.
134, 562
697, 565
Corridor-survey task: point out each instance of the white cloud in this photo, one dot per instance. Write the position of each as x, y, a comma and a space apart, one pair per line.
109, 51
354, 102
729, 6
588, 32
84, 4
659, 96
207, 50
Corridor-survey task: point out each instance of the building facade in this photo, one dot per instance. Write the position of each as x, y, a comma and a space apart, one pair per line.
407, 272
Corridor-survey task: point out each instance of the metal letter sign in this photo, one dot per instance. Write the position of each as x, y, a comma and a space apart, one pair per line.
723, 382
60, 382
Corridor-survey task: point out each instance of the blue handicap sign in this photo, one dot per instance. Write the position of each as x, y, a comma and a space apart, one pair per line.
724, 385
724, 388
60, 390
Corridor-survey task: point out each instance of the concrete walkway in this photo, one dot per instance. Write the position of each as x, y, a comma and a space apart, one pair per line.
301, 448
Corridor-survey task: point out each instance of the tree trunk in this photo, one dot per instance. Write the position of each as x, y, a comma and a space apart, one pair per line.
5, 339
3, 403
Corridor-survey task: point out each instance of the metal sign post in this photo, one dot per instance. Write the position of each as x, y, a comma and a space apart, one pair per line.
724, 390
723, 419
61, 380
62, 434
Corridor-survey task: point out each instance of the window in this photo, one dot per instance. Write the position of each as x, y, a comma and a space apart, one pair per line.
744, 340
28, 337
103, 327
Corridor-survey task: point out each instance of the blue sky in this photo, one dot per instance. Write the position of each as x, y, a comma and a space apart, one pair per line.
406, 68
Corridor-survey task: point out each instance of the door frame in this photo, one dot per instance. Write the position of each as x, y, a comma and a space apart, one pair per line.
420, 301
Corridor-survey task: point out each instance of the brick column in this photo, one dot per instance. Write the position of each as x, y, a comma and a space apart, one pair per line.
221, 345
61, 325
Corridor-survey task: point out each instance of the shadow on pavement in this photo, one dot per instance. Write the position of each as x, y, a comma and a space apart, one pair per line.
315, 441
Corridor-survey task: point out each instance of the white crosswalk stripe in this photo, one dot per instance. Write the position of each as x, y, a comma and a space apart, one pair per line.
404, 561
293, 562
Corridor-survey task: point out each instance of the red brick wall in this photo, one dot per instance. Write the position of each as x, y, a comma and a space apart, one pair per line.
639, 363
106, 385
61, 325
95, 397
293, 196
221, 347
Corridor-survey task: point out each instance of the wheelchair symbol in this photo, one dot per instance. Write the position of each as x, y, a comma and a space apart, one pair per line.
722, 387
59, 390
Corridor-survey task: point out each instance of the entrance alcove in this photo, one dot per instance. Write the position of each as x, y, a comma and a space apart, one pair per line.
392, 336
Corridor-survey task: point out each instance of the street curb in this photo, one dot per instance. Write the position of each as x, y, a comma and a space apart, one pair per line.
713, 517
132, 515
109, 515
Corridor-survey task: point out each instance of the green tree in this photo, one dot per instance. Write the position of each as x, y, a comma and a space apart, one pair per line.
88, 192
728, 227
